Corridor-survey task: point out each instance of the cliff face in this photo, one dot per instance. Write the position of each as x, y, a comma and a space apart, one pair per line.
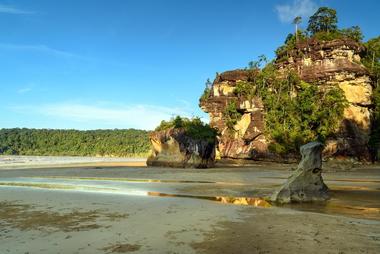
326, 64
247, 140
174, 148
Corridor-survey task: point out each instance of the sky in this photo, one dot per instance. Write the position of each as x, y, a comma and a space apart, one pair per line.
106, 64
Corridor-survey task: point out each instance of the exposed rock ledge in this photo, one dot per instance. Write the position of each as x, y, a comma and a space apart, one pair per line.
325, 64
174, 148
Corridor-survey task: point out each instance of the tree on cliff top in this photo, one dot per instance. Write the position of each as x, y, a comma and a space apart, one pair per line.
353, 32
324, 20
296, 21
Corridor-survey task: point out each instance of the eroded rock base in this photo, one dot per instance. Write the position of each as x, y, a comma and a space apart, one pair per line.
306, 183
174, 148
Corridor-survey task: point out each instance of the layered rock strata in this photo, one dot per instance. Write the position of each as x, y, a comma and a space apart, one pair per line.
247, 139
325, 64
337, 63
174, 148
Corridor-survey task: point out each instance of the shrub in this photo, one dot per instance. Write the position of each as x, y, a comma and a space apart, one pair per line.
193, 127
245, 89
231, 114
354, 33
207, 91
297, 112
328, 36
205, 95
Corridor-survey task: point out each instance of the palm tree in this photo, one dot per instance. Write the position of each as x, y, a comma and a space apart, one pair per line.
296, 21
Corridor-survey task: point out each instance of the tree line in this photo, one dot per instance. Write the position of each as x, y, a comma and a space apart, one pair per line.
117, 142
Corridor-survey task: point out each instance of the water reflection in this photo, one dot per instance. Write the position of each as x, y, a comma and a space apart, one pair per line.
128, 190
349, 200
257, 202
357, 202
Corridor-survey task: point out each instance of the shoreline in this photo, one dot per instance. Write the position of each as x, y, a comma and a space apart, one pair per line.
95, 209
42, 161
35, 162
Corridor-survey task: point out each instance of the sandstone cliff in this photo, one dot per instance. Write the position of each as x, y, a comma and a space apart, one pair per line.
325, 64
174, 148
247, 141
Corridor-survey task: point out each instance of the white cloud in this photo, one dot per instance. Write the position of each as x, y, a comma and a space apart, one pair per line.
13, 10
24, 90
304, 8
39, 48
104, 116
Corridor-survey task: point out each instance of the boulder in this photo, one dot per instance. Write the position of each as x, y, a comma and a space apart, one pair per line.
175, 148
306, 183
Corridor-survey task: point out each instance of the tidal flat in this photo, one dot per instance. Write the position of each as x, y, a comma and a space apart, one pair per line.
98, 208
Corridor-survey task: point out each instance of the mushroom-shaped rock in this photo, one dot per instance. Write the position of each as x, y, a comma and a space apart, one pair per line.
306, 183
175, 148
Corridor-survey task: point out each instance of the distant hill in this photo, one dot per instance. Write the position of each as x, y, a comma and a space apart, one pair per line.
118, 142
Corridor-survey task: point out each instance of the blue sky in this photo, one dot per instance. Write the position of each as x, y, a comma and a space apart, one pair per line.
90, 64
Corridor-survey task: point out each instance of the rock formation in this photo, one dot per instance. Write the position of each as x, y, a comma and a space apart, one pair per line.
174, 148
326, 64
337, 63
306, 183
247, 141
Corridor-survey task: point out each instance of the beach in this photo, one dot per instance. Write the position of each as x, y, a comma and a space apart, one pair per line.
73, 207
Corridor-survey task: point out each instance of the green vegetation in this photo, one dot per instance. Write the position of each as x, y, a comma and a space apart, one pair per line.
262, 60
371, 60
207, 91
231, 114
353, 32
123, 143
296, 21
193, 127
310, 115
205, 95
283, 51
246, 89
296, 112
374, 142
323, 20
322, 27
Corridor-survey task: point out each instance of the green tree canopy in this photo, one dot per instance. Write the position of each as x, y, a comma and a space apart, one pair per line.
353, 32
296, 112
193, 127
372, 57
371, 60
324, 20
123, 143
296, 21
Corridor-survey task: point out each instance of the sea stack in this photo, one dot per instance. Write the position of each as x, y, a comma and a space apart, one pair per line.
175, 148
306, 183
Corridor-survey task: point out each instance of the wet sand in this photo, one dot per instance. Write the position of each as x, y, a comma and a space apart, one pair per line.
97, 209
30, 162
